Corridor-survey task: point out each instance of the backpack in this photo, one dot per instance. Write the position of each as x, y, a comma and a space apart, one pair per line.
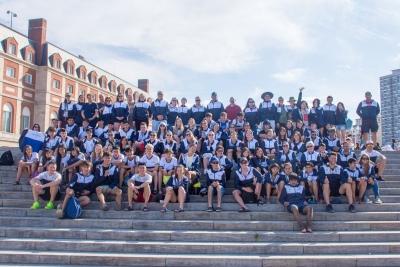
7, 158
73, 210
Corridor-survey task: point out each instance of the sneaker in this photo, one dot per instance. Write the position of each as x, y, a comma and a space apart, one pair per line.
367, 200
312, 202
329, 208
352, 209
377, 148
35, 206
218, 209
380, 178
49, 206
59, 206
205, 171
210, 209
60, 214
378, 201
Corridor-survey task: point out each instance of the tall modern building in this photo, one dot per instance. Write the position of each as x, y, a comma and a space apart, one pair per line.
36, 74
390, 106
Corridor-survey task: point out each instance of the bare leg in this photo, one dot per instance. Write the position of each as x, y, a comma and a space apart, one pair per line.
181, 196
296, 214
309, 211
326, 191
219, 195
236, 194
210, 195
146, 195
362, 186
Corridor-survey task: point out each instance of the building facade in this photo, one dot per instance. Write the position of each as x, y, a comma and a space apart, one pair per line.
390, 106
37, 75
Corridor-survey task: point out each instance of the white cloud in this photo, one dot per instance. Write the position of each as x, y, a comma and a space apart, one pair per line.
344, 66
293, 75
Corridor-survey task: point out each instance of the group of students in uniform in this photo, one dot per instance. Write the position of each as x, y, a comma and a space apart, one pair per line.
275, 149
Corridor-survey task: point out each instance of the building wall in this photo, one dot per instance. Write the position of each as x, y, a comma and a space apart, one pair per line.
40, 96
390, 100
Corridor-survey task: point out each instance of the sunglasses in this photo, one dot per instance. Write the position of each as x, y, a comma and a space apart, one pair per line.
309, 146
215, 162
197, 100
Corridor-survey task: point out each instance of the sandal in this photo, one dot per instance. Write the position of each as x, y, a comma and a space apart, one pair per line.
128, 209
259, 202
163, 209
242, 209
145, 209
179, 210
16, 183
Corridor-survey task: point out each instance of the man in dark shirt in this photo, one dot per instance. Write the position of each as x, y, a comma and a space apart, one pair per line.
89, 111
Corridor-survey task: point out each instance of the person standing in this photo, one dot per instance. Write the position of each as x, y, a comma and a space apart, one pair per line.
198, 111
368, 110
159, 109
267, 109
232, 109
141, 112
120, 111
215, 107
329, 112
131, 105
89, 111
66, 110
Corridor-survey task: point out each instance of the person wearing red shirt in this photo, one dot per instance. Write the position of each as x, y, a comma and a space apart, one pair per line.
232, 109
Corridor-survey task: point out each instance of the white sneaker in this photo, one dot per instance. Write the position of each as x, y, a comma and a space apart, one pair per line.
205, 171
378, 201
367, 201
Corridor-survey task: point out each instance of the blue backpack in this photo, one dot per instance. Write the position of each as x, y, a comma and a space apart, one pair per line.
73, 210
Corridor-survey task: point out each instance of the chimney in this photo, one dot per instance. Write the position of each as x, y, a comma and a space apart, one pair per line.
144, 85
37, 32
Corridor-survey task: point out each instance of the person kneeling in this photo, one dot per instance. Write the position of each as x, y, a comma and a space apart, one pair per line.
177, 190
293, 198
47, 185
215, 183
107, 177
139, 188
80, 186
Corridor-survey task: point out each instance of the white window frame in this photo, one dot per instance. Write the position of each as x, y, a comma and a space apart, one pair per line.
7, 117
25, 118
81, 92
83, 74
94, 98
11, 49
56, 84
70, 89
10, 72
71, 69
28, 78
29, 56
57, 63
94, 78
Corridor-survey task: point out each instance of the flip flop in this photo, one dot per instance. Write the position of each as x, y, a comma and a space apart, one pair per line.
304, 231
242, 209
179, 210
128, 209
16, 183
163, 209
145, 209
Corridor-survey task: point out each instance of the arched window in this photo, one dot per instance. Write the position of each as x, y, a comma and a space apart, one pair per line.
26, 118
7, 118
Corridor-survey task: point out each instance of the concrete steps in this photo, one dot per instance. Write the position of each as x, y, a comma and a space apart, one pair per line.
266, 236
163, 259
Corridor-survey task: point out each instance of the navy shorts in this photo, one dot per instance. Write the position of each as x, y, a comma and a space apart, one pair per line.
366, 126
222, 191
299, 206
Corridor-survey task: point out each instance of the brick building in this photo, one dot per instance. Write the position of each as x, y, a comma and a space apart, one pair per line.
36, 76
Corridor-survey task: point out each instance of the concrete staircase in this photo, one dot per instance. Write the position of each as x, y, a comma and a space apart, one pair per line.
267, 236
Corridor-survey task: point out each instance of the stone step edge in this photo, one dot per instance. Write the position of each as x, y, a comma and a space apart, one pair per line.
71, 258
203, 243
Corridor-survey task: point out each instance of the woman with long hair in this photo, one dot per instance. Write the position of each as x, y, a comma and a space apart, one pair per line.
178, 130
45, 160
27, 165
271, 181
250, 142
368, 170
162, 130
251, 114
176, 190
282, 137
201, 134
341, 117
260, 161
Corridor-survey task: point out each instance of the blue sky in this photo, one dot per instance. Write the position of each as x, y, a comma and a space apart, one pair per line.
235, 48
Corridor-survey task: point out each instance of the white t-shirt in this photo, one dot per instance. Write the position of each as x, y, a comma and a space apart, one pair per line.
32, 159
141, 179
47, 177
150, 162
168, 165
189, 161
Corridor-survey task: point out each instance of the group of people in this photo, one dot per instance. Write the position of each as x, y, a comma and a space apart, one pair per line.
287, 150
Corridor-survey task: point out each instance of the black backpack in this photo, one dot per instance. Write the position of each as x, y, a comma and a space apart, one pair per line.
7, 158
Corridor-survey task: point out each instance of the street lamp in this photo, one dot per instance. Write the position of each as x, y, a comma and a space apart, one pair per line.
12, 14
